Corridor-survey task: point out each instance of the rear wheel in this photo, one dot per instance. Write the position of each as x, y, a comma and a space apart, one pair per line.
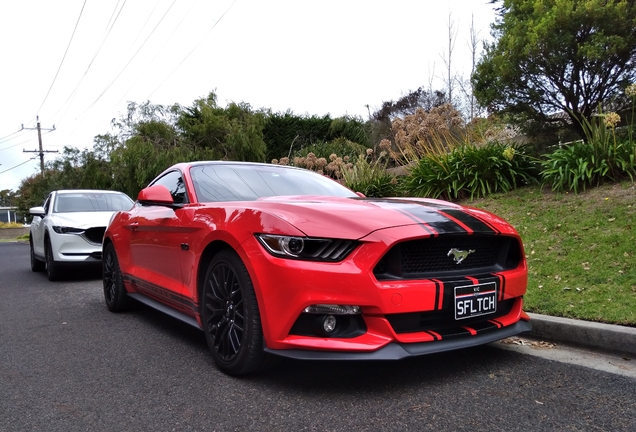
36, 264
52, 268
231, 318
114, 291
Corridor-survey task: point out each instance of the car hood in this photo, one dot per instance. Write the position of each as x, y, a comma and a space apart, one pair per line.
82, 219
355, 218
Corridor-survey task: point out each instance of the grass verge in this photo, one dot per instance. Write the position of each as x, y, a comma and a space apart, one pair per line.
580, 249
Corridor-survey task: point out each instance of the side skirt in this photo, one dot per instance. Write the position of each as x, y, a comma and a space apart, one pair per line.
165, 309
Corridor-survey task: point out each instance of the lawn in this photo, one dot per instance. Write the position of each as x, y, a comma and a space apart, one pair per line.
580, 249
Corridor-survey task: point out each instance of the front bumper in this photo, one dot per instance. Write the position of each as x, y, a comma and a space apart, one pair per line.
397, 351
73, 248
284, 288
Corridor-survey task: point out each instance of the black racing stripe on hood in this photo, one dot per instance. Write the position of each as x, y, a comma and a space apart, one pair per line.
422, 213
425, 226
477, 225
471, 222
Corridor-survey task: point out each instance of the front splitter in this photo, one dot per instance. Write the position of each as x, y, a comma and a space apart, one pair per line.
397, 351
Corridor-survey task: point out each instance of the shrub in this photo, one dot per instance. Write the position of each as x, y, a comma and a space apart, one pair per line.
600, 158
470, 171
10, 225
370, 177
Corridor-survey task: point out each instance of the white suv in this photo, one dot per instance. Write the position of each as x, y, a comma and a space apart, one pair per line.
69, 227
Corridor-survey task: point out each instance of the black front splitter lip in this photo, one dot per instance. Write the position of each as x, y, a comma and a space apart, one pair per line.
398, 351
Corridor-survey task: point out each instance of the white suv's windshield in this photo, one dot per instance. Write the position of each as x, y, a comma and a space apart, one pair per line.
91, 202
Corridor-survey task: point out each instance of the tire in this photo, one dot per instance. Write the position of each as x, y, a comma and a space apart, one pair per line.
114, 292
52, 268
36, 264
230, 316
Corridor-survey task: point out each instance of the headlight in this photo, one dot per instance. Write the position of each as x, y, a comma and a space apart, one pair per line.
67, 230
307, 248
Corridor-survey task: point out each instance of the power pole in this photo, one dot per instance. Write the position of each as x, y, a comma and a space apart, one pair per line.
41, 151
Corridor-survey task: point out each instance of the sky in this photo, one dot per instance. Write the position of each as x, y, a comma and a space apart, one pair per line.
75, 64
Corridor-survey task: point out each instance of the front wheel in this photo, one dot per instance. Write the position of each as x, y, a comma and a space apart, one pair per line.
114, 291
230, 315
52, 268
36, 264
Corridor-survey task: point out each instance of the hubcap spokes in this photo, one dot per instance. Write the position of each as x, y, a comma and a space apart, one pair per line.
109, 276
226, 319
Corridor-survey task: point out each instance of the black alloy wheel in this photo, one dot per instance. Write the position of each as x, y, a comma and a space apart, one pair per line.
231, 318
114, 291
52, 268
36, 264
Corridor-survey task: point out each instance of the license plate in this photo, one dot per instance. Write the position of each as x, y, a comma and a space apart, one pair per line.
475, 300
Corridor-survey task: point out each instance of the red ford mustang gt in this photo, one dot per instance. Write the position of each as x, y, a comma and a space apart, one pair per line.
277, 261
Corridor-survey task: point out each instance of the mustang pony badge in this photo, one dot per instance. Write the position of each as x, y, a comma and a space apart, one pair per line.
459, 255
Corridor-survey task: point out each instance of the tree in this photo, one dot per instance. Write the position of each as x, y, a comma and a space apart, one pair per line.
557, 56
472, 109
407, 105
232, 133
447, 56
7, 198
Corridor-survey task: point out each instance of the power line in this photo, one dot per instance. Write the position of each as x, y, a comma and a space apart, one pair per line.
105, 37
156, 55
22, 142
193, 49
129, 61
29, 160
4, 138
64, 57
14, 145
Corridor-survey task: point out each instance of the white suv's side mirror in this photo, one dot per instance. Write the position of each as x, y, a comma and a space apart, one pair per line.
37, 211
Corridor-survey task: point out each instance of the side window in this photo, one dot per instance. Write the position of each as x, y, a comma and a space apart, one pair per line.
47, 204
174, 182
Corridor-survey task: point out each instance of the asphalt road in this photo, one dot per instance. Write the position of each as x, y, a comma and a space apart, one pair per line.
67, 364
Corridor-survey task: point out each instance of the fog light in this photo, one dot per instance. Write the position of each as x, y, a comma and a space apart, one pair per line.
329, 323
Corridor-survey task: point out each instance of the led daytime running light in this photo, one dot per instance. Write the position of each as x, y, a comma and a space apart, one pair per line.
324, 309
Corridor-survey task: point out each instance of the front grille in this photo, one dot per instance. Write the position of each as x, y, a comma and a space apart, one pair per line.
94, 235
426, 258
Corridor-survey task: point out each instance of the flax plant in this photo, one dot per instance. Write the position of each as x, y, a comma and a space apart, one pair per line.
600, 158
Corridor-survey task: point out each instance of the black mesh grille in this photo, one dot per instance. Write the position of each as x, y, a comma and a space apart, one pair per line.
432, 257
94, 235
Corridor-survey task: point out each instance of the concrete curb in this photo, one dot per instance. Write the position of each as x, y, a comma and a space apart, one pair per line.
588, 334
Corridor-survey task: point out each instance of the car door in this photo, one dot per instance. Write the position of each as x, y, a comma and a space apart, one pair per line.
159, 235
38, 227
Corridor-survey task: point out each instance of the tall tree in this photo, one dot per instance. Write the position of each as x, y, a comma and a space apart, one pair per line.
449, 77
553, 56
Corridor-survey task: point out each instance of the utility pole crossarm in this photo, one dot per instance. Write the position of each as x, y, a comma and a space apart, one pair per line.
41, 151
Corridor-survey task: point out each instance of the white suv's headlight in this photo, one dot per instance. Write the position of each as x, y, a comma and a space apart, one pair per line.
307, 248
67, 230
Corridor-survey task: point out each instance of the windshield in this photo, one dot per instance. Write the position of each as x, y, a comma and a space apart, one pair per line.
91, 202
216, 182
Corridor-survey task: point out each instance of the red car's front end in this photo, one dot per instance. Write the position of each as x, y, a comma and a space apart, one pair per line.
399, 291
